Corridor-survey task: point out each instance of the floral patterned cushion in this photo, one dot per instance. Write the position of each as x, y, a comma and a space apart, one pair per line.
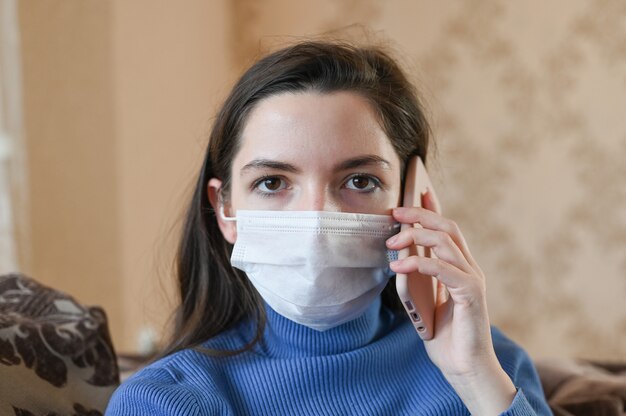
56, 356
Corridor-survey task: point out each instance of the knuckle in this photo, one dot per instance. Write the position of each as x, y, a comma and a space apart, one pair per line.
413, 261
444, 238
440, 264
479, 287
415, 235
404, 236
452, 227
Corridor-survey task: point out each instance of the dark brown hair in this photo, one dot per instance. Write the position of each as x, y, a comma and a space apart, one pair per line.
214, 296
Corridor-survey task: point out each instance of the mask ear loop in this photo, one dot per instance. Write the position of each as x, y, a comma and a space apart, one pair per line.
221, 210
224, 217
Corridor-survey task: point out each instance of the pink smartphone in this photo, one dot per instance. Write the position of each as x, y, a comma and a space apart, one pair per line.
416, 291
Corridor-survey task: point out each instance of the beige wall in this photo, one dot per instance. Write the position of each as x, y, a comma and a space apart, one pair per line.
70, 144
118, 100
170, 72
527, 101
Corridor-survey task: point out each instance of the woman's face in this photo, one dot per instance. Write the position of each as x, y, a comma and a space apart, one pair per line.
313, 151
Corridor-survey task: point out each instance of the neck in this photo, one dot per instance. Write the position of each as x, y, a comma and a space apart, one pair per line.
285, 338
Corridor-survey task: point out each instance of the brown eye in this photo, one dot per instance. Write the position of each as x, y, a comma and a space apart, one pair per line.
363, 183
272, 184
360, 182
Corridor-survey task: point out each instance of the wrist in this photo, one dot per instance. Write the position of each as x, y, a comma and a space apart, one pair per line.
488, 391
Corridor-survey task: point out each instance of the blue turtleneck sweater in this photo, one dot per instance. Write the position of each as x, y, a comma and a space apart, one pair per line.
373, 365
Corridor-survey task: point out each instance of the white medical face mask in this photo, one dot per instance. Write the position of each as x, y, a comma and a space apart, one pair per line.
317, 268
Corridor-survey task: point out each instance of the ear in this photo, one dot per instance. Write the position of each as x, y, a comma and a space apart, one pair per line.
228, 228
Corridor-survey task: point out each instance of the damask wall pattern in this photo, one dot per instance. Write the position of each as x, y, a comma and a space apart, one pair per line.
528, 105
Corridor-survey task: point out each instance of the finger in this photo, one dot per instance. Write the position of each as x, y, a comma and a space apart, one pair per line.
430, 202
464, 288
442, 294
441, 244
433, 221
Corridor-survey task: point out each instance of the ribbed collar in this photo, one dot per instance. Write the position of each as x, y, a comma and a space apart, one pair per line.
287, 339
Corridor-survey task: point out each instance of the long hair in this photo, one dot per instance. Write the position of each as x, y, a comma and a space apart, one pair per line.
214, 296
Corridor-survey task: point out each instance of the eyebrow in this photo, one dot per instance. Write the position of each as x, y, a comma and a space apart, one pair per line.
355, 162
362, 161
269, 164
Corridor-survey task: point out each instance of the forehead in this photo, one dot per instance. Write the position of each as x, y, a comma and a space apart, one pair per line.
313, 128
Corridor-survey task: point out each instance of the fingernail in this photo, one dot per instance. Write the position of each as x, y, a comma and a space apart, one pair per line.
392, 240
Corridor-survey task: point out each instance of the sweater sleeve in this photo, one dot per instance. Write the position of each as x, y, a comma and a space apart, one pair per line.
152, 392
530, 399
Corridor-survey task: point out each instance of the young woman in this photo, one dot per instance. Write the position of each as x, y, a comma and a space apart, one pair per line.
288, 305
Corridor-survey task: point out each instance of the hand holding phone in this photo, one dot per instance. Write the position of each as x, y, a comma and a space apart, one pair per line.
417, 292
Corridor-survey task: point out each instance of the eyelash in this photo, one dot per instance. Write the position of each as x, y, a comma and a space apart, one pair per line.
378, 184
255, 185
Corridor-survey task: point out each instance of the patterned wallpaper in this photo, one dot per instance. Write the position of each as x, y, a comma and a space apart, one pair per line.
528, 104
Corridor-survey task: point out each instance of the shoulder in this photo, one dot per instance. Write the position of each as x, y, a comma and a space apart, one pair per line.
180, 384
153, 390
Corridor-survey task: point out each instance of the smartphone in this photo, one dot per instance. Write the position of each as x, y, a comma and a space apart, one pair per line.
417, 292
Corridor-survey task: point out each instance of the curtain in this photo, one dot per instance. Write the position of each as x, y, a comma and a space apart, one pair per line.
13, 206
